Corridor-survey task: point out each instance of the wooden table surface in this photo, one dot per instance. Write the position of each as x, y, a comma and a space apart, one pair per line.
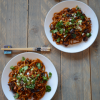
22, 25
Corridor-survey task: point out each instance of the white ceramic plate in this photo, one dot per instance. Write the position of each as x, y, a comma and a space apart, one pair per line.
89, 13
53, 82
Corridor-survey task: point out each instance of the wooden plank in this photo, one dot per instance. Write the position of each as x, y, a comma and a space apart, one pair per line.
75, 75
13, 29
95, 56
85, 1
36, 36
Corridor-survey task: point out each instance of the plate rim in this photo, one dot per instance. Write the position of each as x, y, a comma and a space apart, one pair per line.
56, 44
25, 53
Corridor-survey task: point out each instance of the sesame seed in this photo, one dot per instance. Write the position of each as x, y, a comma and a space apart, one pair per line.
28, 73
82, 33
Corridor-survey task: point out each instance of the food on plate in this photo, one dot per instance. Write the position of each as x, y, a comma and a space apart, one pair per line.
70, 26
28, 79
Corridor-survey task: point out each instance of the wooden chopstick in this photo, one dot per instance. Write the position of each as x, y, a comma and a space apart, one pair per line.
29, 49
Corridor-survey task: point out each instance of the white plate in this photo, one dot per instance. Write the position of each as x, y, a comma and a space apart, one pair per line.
53, 82
89, 13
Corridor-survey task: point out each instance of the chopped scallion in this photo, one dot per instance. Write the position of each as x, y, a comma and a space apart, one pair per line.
12, 67
58, 40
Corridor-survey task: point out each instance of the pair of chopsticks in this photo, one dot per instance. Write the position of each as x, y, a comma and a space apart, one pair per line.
29, 49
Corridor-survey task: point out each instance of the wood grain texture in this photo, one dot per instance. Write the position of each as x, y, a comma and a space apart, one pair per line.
95, 55
13, 29
36, 36
75, 75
